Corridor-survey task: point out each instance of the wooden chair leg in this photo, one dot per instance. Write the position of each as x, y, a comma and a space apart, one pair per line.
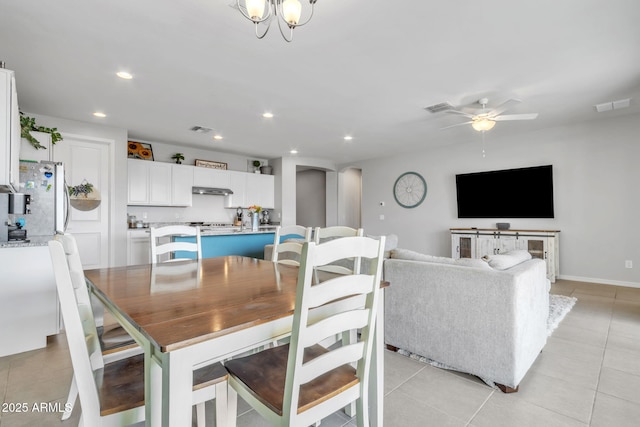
507, 389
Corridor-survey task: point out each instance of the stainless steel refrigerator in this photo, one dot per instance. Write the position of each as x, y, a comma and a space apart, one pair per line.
48, 205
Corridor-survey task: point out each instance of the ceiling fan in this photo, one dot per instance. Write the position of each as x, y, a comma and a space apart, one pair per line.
486, 118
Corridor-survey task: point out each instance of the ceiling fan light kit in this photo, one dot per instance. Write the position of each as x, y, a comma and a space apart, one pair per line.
482, 124
486, 119
286, 12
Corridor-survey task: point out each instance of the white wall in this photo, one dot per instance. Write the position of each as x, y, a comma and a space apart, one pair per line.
350, 197
311, 201
597, 200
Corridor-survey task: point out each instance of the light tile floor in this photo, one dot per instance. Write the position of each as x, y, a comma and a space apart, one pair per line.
587, 375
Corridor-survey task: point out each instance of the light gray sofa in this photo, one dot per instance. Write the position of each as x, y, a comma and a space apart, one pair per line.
489, 322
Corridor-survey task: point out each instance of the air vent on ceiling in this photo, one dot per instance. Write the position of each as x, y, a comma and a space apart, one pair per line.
613, 105
443, 106
201, 129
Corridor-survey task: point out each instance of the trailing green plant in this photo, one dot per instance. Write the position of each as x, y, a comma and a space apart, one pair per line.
28, 124
84, 188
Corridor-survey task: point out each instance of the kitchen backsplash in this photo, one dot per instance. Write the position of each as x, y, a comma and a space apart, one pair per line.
204, 208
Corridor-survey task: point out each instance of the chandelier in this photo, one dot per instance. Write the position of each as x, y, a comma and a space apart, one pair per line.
286, 12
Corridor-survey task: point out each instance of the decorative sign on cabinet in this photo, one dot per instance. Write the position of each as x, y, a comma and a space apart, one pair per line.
476, 243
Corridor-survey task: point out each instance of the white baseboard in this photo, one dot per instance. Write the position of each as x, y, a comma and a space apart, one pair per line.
601, 281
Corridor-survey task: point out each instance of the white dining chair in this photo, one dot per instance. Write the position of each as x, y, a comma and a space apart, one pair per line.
325, 234
307, 381
289, 250
164, 249
113, 394
114, 342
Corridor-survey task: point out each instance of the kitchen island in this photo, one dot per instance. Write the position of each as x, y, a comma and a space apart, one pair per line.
216, 241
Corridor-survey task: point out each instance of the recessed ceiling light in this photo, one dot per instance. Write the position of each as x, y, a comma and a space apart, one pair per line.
348, 138
267, 115
217, 137
99, 114
293, 151
124, 75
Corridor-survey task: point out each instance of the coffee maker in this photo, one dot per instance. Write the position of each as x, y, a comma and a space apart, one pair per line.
12, 204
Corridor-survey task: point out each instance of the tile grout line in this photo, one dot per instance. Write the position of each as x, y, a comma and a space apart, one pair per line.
593, 405
480, 407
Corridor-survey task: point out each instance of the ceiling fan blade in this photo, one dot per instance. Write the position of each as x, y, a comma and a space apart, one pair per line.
457, 124
461, 113
503, 107
506, 117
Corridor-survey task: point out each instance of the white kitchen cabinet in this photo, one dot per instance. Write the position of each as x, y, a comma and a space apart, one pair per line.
476, 243
138, 247
181, 184
251, 189
159, 184
207, 177
9, 132
237, 184
260, 190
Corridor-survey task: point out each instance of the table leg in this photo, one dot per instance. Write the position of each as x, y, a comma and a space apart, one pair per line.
376, 382
177, 389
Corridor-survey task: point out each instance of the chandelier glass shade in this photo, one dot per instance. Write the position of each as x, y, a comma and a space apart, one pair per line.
483, 124
288, 13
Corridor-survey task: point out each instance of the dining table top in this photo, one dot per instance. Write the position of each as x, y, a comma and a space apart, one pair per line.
181, 303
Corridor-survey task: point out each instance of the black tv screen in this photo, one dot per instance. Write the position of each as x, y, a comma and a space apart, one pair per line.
510, 193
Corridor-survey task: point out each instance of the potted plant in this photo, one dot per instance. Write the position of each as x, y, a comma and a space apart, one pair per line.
178, 157
256, 165
84, 196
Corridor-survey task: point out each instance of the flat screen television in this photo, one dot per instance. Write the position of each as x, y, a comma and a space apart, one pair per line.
510, 193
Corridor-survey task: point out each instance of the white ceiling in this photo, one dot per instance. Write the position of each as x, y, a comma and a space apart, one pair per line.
364, 68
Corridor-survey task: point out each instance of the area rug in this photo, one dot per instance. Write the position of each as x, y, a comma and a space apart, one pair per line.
559, 306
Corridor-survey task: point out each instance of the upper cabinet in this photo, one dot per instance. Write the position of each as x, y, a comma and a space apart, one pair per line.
206, 177
250, 189
159, 184
9, 133
168, 184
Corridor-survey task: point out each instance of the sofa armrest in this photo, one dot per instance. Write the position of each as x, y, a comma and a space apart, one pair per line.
485, 322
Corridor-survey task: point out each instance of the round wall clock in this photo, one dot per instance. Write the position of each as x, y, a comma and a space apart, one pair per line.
410, 189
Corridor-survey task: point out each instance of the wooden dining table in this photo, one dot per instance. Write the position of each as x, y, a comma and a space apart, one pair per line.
187, 314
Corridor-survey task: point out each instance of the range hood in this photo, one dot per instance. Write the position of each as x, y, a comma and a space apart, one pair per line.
211, 191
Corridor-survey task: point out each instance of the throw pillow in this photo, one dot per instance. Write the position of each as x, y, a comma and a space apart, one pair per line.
508, 259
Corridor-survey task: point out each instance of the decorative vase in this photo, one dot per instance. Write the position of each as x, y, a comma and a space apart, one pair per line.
265, 170
255, 221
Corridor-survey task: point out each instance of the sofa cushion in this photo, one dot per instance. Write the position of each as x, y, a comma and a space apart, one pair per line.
507, 260
410, 255
473, 262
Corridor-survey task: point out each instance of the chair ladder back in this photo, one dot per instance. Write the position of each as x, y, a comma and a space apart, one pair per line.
172, 246
75, 331
334, 232
301, 232
309, 327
